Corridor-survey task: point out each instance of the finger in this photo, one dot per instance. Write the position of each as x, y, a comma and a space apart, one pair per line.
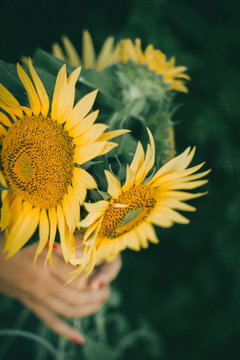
62, 271
47, 283
76, 297
51, 285
53, 322
70, 311
105, 273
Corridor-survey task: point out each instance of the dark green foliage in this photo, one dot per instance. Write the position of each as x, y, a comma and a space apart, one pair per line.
188, 286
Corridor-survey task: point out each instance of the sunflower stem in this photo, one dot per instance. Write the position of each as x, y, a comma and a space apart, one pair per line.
25, 334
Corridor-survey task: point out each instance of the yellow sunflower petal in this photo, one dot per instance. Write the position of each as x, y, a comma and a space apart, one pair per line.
5, 120
66, 98
112, 134
91, 261
180, 177
11, 111
91, 234
8, 99
88, 51
108, 55
91, 135
83, 125
97, 207
43, 232
60, 86
71, 52
172, 165
158, 218
2, 179
3, 130
75, 206
32, 94
103, 56
114, 185
5, 211
176, 204
138, 158
90, 219
89, 152
198, 176
67, 250
80, 191
53, 228
149, 231
43, 96
15, 210
179, 195
171, 215
108, 147
142, 237
81, 109
57, 52
148, 162
71, 209
85, 178
179, 86
22, 230
133, 241
130, 178
186, 185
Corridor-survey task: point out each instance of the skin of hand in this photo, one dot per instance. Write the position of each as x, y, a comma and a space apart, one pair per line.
42, 289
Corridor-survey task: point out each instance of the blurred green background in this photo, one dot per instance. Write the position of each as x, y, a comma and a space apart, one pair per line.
188, 286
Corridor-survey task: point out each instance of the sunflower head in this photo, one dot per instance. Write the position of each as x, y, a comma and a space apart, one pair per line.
156, 61
38, 162
128, 218
43, 148
122, 52
144, 79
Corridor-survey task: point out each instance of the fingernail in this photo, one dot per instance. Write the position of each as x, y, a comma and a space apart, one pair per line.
100, 284
55, 245
97, 284
77, 340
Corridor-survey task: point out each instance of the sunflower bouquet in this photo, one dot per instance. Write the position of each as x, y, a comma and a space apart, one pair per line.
88, 144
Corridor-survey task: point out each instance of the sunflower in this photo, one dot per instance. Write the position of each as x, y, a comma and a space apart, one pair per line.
108, 56
156, 61
124, 51
126, 220
42, 152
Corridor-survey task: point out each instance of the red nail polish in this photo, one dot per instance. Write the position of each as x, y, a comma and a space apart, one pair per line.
55, 245
77, 341
100, 284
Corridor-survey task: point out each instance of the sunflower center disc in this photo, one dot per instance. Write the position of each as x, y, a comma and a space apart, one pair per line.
37, 160
120, 220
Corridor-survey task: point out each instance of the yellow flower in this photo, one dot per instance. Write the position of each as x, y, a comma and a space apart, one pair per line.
156, 61
124, 51
41, 154
108, 56
127, 219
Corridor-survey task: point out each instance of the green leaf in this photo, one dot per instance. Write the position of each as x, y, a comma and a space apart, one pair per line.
90, 79
9, 78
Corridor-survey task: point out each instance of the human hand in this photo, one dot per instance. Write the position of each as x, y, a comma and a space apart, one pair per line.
43, 291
